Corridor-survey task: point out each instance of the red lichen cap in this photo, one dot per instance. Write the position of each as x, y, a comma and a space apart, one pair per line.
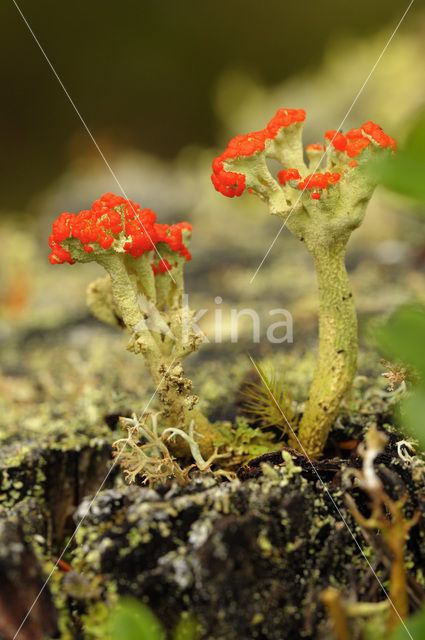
171, 235
176, 232
163, 266
284, 118
184, 226
231, 183
110, 216
356, 145
337, 139
61, 227
314, 147
359, 139
59, 255
185, 253
288, 174
319, 181
377, 134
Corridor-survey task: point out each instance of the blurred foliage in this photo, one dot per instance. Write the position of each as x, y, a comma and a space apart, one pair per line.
416, 628
402, 338
131, 620
405, 174
186, 629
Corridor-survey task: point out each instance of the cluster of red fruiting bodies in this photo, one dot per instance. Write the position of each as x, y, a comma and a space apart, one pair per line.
312, 181
231, 184
112, 215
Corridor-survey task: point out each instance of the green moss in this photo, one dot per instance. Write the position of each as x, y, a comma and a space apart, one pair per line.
242, 442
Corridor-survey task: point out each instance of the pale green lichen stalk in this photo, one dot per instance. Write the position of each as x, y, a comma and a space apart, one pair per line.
322, 210
143, 293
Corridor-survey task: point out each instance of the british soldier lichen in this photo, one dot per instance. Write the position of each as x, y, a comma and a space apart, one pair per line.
321, 209
143, 292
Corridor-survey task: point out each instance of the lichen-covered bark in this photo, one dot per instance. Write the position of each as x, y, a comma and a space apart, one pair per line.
336, 363
274, 541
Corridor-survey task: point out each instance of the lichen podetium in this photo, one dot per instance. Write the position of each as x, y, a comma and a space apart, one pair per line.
143, 292
322, 210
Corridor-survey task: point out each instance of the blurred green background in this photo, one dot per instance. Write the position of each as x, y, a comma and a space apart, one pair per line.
144, 74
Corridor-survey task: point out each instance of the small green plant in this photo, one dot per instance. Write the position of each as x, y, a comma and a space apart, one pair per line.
322, 210
269, 402
143, 293
238, 443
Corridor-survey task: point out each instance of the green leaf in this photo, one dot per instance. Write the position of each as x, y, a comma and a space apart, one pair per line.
404, 173
413, 411
415, 142
415, 625
131, 620
402, 337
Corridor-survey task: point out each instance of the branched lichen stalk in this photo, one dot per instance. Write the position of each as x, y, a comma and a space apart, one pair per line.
142, 293
321, 209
